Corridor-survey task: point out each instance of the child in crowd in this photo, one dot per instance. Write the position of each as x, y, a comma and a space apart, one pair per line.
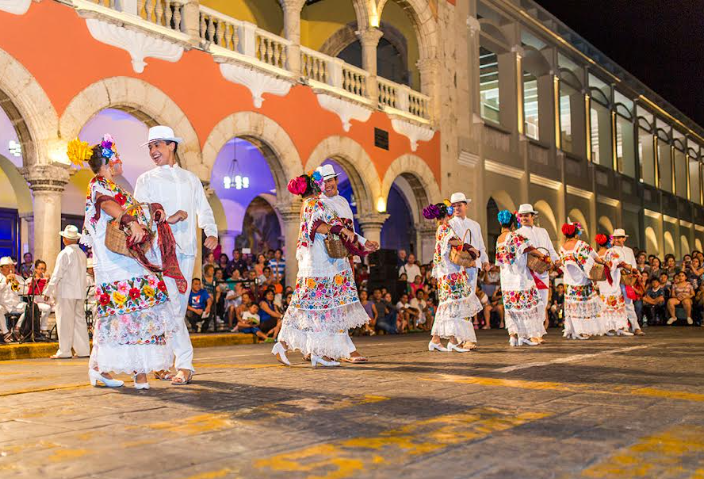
250, 322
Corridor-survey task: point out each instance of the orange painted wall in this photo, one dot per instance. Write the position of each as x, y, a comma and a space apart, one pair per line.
54, 44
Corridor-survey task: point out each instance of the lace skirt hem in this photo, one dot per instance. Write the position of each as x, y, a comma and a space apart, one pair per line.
131, 359
526, 323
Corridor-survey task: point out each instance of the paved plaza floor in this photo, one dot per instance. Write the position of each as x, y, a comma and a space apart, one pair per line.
610, 407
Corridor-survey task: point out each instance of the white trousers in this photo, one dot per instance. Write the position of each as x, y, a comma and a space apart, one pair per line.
180, 340
630, 310
45, 311
18, 308
71, 326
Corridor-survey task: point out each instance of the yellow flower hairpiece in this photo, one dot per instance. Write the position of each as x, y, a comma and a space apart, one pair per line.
447, 203
78, 152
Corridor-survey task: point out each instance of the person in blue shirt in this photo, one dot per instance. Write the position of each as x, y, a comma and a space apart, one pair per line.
199, 304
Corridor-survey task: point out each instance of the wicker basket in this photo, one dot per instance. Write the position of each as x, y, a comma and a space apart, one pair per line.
627, 279
597, 273
537, 265
335, 246
461, 257
116, 239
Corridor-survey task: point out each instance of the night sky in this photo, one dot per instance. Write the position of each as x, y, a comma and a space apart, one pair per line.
660, 42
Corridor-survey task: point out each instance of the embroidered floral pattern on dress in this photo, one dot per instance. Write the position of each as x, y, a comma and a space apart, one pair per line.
130, 296
454, 287
314, 210
613, 304
580, 293
579, 255
142, 327
507, 252
441, 235
325, 292
520, 300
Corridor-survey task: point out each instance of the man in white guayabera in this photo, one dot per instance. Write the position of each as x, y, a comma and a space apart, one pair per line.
182, 196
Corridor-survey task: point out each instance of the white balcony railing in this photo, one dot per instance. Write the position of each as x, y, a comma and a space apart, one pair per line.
243, 42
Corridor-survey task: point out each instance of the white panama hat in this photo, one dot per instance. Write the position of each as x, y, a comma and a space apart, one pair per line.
71, 233
619, 233
327, 172
526, 208
162, 133
6, 261
459, 198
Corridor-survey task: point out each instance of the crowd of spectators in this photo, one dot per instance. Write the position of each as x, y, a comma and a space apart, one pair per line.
248, 294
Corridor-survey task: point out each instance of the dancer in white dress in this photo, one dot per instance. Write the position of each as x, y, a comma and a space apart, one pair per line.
613, 306
522, 305
325, 303
456, 300
582, 304
133, 311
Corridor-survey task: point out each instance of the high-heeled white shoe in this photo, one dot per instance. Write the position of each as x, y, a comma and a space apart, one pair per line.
140, 385
623, 332
527, 342
96, 377
436, 347
456, 348
317, 360
280, 352
512, 341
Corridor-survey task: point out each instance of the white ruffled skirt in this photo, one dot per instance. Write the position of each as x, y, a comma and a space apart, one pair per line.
613, 312
524, 313
454, 319
322, 311
583, 312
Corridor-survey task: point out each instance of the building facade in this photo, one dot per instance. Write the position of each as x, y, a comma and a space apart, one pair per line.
410, 99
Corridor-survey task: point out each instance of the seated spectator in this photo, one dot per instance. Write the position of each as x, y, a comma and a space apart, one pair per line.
695, 272
267, 279
654, 302
416, 285
199, 304
670, 267
557, 305
278, 267
486, 310
655, 267
237, 264
419, 309
270, 314
410, 268
682, 295
361, 275
260, 265
641, 262
26, 269
288, 296
209, 260
665, 282
371, 312
250, 322
497, 306
386, 314
431, 309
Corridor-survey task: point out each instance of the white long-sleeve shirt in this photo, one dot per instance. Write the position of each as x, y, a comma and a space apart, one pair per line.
626, 255
342, 208
461, 225
8, 298
539, 238
178, 189
68, 281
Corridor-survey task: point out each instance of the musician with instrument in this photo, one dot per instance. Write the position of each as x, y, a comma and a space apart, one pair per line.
10, 301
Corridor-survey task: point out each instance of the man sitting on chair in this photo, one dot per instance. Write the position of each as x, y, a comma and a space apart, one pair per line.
9, 299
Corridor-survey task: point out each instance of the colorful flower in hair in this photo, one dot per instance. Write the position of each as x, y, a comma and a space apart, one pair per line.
518, 219
579, 227
447, 203
601, 240
317, 177
431, 212
450, 210
78, 152
298, 185
569, 229
108, 146
504, 217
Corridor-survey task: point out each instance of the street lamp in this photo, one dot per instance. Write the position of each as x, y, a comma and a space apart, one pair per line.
234, 179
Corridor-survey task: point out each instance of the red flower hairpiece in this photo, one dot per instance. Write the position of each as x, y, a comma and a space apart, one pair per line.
568, 229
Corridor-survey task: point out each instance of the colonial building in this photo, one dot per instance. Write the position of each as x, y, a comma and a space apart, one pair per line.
410, 99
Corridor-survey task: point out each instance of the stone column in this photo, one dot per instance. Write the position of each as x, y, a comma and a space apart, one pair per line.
227, 241
47, 183
369, 38
191, 21
371, 225
430, 85
426, 241
292, 32
291, 218
27, 233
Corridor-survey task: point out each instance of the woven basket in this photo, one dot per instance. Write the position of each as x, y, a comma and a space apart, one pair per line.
335, 246
116, 239
597, 273
461, 257
536, 264
627, 279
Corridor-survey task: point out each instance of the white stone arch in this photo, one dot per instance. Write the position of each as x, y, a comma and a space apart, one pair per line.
503, 201
218, 212
607, 225
272, 140
546, 217
19, 186
669, 243
357, 164
698, 244
29, 108
651, 241
418, 175
575, 215
684, 245
142, 100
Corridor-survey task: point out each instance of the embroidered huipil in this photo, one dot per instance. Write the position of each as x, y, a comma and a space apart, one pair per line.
133, 309
613, 306
325, 304
456, 303
582, 305
471, 232
523, 313
341, 207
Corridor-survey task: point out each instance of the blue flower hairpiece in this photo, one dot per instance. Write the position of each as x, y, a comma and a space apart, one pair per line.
504, 217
